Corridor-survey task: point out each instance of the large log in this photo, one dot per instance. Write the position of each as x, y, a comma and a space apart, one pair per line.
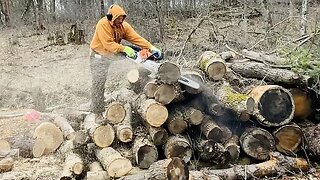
124, 129
274, 105
66, 128
113, 162
48, 138
168, 73
240, 103
145, 152
171, 168
289, 138
153, 112
115, 112
178, 146
102, 135
96, 172
275, 75
257, 143
277, 165
212, 65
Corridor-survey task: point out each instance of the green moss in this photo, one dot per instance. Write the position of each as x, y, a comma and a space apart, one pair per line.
203, 63
233, 98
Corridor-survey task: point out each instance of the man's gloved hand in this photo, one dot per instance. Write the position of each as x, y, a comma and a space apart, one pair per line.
130, 52
156, 52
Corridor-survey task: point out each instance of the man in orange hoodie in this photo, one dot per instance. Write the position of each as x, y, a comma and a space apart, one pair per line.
105, 48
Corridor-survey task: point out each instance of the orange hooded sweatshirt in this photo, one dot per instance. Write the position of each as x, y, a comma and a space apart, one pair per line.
107, 38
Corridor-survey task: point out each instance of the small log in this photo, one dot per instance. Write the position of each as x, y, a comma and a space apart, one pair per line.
102, 135
265, 72
145, 152
81, 138
289, 138
240, 103
172, 168
210, 103
257, 143
63, 124
168, 73
50, 137
274, 105
150, 89
113, 162
199, 175
73, 166
6, 165
159, 135
277, 165
96, 172
138, 78
302, 103
227, 55
176, 123
178, 146
192, 115
115, 112
272, 59
233, 148
165, 93
4, 147
211, 129
124, 129
312, 139
212, 65
195, 76
153, 112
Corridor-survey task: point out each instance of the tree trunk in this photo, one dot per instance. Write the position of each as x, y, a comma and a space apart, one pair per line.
113, 162
257, 143
289, 139
214, 67
63, 124
275, 75
303, 22
124, 129
171, 168
145, 152
274, 105
178, 146
102, 8
115, 112
153, 112
102, 135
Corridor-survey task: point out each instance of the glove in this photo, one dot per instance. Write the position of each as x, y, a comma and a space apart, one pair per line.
156, 52
130, 52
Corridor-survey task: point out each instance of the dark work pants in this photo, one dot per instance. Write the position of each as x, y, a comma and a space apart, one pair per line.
99, 71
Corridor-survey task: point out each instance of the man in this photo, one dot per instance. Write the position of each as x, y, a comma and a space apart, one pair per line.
105, 48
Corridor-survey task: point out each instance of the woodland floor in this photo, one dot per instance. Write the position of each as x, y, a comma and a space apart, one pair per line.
62, 74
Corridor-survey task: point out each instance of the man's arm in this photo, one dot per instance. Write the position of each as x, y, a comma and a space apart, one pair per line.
132, 36
105, 36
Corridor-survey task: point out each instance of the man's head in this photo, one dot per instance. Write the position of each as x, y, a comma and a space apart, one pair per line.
116, 15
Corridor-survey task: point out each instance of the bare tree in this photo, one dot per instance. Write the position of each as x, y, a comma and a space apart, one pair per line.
303, 22
5, 7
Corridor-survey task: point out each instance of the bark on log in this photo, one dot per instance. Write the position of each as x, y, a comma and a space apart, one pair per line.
96, 172
115, 112
278, 164
312, 139
192, 115
257, 143
240, 103
73, 166
210, 103
165, 93
178, 146
197, 77
212, 65
66, 128
124, 129
211, 129
138, 79
176, 123
198, 175
274, 105
113, 162
81, 138
168, 73
233, 148
171, 168
6, 165
102, 135
302, 103
276, 75
159, 135
153, 112
150, 89
48, 138
145, 152
289, 138
272, 59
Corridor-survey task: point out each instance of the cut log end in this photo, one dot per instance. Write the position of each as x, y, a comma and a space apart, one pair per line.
165, 94
115, 113
125, 134
38, 148
168, 73
119, 167
177, 126
288, 139
216, 70
103, 136
196, 117
177, 169
77, 168
156, 115
150, 89
146, 156
133, 76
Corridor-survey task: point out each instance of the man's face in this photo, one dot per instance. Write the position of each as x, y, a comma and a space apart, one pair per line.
117, 22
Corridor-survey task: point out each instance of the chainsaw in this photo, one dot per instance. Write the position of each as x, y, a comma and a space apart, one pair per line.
148, 61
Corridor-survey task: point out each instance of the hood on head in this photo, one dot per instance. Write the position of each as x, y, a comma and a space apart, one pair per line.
116, 11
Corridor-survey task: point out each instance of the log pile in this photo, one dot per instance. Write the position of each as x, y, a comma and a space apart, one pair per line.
170, 131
